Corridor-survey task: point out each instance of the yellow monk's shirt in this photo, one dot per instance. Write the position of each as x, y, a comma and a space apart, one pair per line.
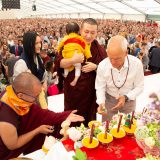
71, 43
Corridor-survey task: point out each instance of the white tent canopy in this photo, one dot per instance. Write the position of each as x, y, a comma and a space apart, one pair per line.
115, 9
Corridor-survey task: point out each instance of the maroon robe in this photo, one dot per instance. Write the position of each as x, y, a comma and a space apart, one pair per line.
27, 123
83, 95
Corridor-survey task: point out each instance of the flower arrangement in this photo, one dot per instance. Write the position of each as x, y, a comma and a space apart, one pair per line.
148, 157
148, 127
115, 119
77, 133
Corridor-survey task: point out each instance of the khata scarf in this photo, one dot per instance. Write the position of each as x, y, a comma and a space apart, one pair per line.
20, 106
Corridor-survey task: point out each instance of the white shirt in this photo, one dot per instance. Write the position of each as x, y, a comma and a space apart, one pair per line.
133, 86
10, 42
21, 66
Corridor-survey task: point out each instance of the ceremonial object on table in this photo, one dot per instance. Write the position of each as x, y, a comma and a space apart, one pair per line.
65, 126
119, 131
92, 132
148, 128
105, 137
58, 152
130, 124
90, 142
48, 143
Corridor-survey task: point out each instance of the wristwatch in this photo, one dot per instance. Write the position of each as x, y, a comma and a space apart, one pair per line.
126, 98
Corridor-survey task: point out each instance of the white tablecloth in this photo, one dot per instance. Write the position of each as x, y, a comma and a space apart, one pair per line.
151, 84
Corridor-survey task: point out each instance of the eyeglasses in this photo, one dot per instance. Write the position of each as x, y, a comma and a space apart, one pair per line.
33, 97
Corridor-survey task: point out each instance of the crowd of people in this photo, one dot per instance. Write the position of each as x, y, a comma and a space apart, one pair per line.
35, 55
142, 37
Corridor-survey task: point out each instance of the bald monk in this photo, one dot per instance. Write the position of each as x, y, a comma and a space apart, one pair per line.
23, 124
119, 80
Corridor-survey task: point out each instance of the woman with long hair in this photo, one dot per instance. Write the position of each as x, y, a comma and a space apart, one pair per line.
30, 60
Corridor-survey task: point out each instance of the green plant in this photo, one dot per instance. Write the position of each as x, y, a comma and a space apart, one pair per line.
80, 155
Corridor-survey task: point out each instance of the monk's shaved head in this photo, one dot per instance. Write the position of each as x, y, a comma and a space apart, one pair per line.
26, 83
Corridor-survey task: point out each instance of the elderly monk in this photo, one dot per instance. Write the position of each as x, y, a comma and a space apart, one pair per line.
23, 124
120, 79
82, 97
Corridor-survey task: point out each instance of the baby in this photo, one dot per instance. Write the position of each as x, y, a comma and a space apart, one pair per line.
73, 43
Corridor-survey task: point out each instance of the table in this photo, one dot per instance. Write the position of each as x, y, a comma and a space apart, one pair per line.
120, 149
125, 148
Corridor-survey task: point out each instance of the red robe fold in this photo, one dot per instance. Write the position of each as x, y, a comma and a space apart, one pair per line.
82, 96
29, 122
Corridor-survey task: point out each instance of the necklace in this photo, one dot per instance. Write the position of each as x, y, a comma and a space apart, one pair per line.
125, 78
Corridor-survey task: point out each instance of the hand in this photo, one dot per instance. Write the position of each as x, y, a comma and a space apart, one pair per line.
74, 118
89, 67
120, 104
78, 58
45, 129
54, 74
102, 109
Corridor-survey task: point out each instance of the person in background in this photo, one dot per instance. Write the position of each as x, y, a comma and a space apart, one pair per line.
154, 56
100, 38
44, 56
53, 79
143, 55
9, 66
52, 75
16, 49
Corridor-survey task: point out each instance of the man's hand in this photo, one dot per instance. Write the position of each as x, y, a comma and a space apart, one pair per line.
68, 62
74, 117
102, 109
77, 58
120, 104
89, 67
45, 129
11, 139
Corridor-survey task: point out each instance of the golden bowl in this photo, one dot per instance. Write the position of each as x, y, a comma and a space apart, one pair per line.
103, 140
130, 131
119, 134
94, 144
